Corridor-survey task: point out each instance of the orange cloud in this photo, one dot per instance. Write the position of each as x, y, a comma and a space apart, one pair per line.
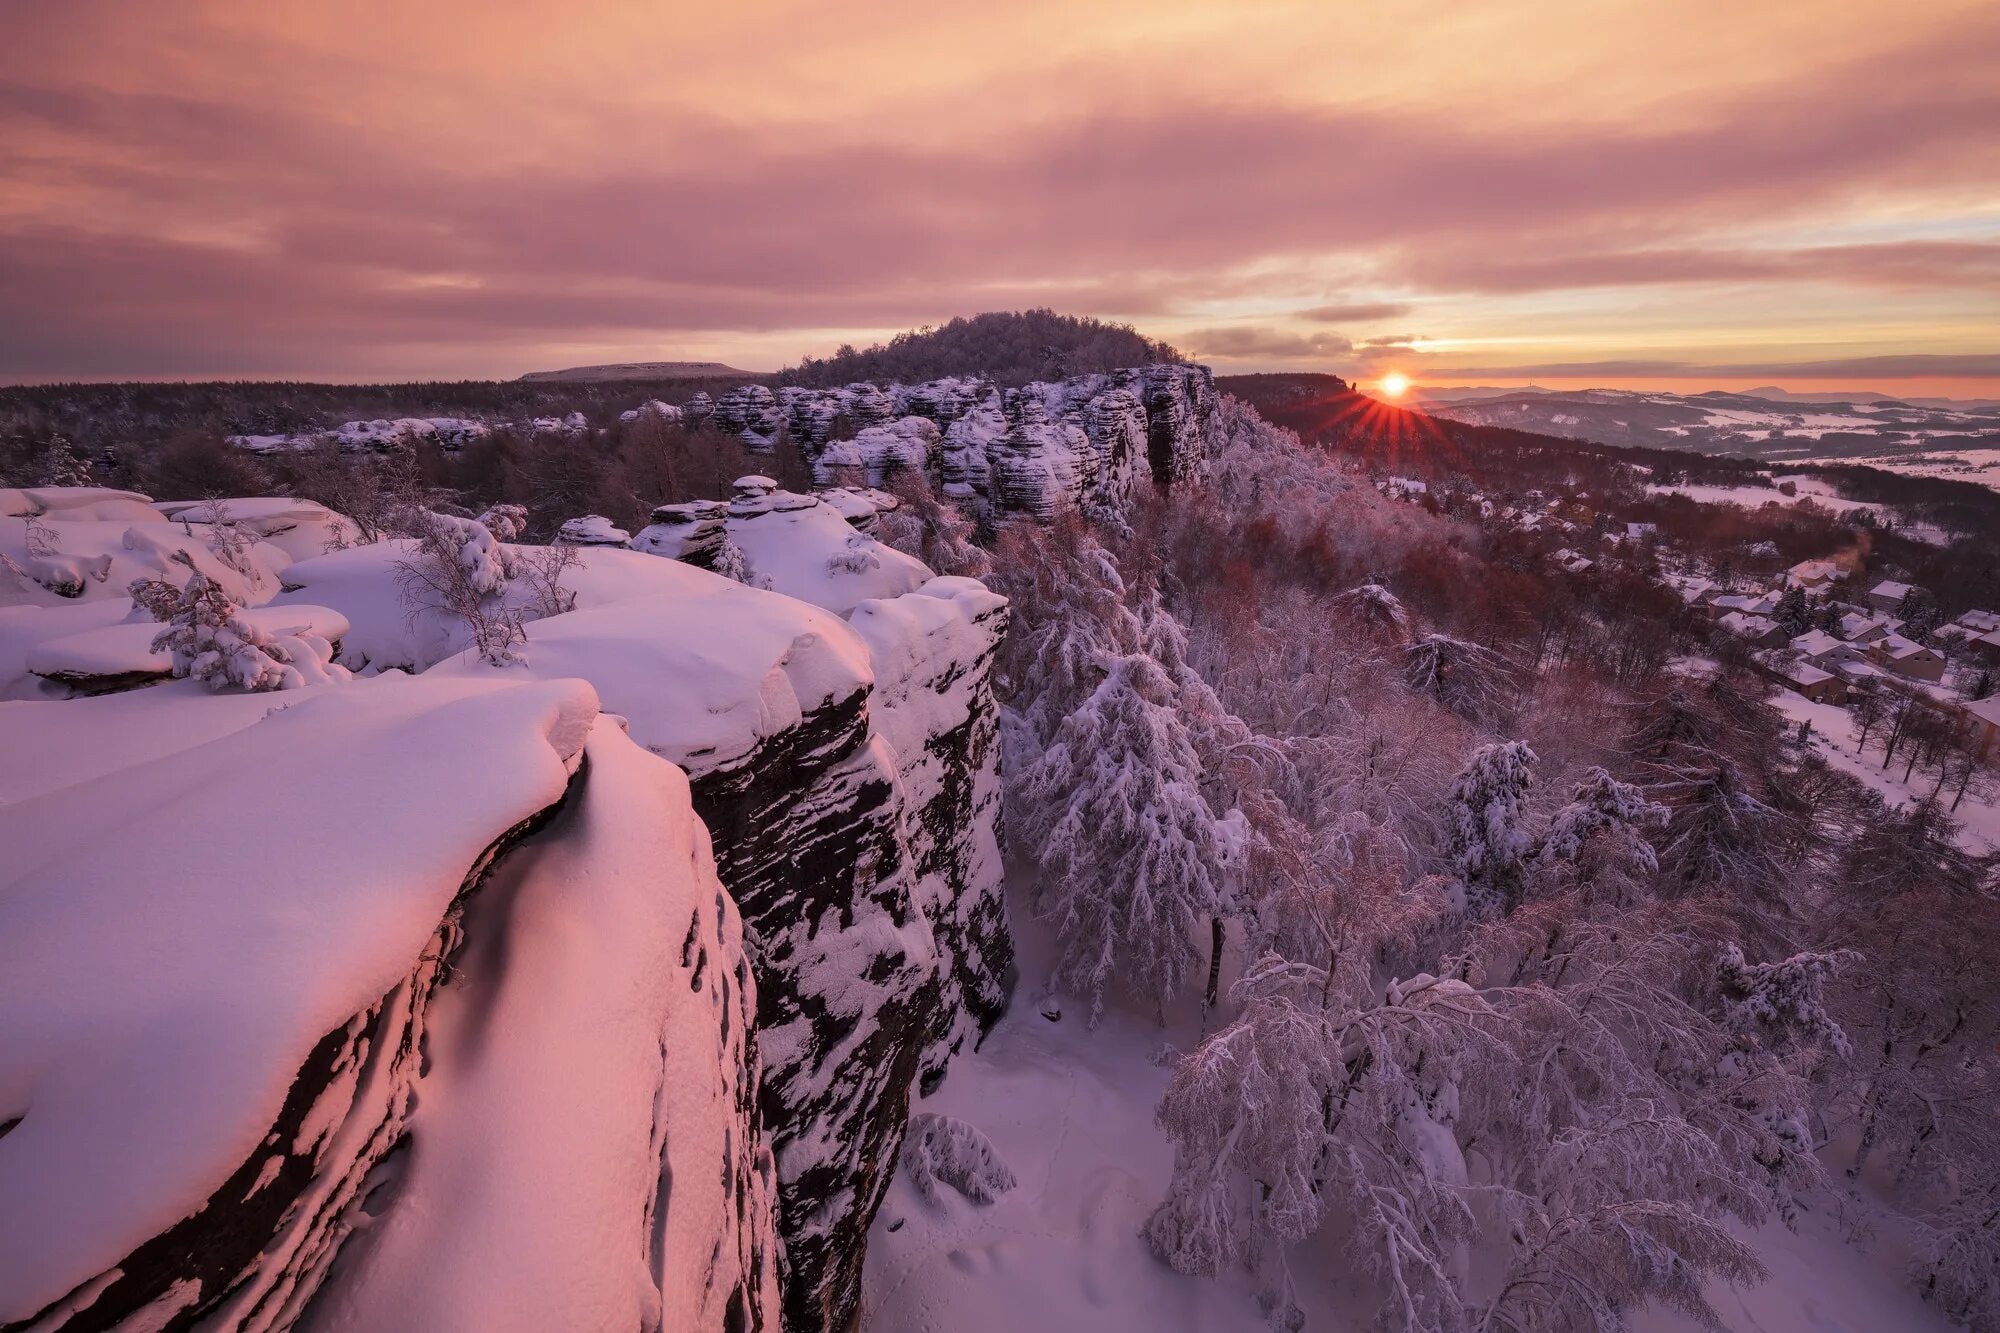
442, 189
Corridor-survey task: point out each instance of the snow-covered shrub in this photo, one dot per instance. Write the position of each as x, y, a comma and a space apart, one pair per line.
460, 569
215, 646
944, 1150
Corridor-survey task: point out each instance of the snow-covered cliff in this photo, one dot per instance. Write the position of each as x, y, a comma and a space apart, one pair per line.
1087, 440
262, 993
551, 965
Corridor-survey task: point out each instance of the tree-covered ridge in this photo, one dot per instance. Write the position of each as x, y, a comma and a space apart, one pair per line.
1011, 347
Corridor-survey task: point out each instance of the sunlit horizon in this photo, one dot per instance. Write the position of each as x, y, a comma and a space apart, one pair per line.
1784, 195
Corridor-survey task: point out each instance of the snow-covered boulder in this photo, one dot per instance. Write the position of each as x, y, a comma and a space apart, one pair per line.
805, 546
299, 528
73, 503
51, 557
591, 530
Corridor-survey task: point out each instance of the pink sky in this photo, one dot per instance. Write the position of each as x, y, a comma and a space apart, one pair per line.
1574, 191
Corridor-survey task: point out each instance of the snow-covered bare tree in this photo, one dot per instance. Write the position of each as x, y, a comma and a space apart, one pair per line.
932, 528
1129, 849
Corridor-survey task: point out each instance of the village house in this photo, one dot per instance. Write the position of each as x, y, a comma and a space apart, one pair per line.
1980, 622
1888, 595
1860, 675
1856, 627
1759, 630
1822, 687
1814, 575
1907, 658
1982, 716
1823, 650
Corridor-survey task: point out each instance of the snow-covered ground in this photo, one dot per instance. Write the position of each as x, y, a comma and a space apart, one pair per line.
1070, 1110
1833, 735
1981, 467
1805, 489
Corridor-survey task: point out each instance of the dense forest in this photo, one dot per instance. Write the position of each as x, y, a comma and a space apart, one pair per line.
1011, 348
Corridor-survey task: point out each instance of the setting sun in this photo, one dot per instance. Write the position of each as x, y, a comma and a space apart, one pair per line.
1395, 384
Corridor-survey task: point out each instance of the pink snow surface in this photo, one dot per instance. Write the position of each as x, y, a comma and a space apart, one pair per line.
175, 936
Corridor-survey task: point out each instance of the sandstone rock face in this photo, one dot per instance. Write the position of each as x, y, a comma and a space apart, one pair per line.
877, 453
1089, 440
863, 849
861, 841
750, 411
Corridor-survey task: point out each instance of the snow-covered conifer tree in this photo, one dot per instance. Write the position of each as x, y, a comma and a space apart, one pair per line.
1376, 610
1485, 826
60, 465
1472, 681
1129, 849
1781, 1001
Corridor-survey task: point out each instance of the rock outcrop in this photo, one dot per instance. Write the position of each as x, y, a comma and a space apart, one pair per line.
1088, 440
861, 840
836, 726
213, 1073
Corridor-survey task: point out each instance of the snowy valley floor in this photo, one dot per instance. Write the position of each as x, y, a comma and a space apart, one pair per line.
1070, 1110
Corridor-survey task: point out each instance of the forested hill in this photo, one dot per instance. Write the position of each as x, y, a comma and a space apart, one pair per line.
1008, 347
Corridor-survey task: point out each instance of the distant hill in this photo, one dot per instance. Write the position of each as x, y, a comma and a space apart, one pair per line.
639, 370
1010, 347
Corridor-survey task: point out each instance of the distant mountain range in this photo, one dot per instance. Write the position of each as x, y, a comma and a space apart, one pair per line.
1765, 423
640, 370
